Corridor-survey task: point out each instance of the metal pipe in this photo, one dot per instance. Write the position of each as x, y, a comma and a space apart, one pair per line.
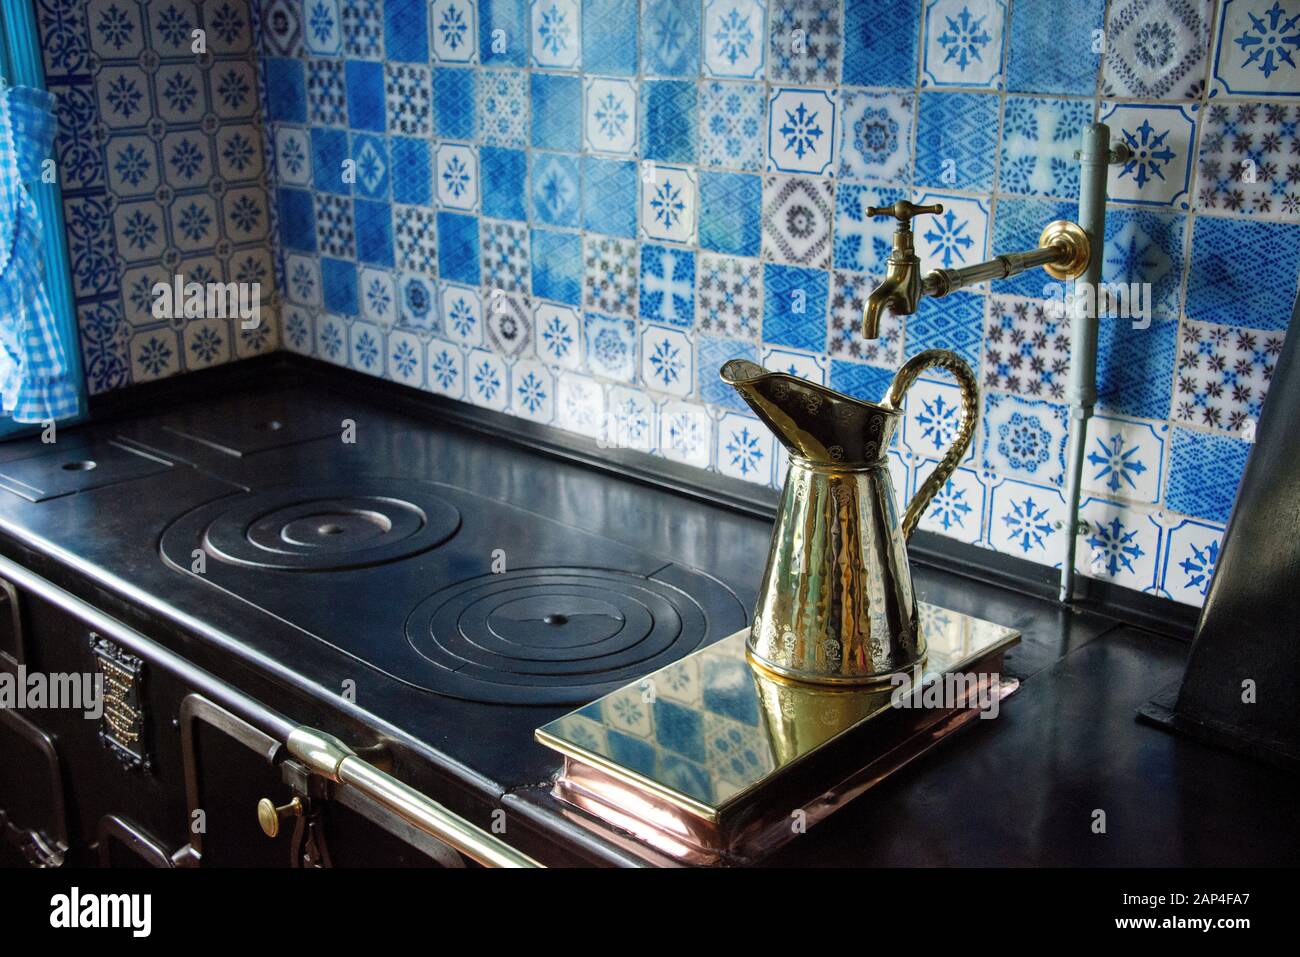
940, 282
1094, 159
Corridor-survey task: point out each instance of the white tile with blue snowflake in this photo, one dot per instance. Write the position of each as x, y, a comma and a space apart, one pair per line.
801, 130
610, 116
957, 509
801, 364
580, 405
686, 433
963, 43
405, 358
668, 202
462, 314
1257, 49
293, 156
931, 418
876, 135
1025, 438
952, 239
323, 27
453, 25
1161, 138
297, 330
378, 296
487, 379
556, 34
366, 349
746, 448
1190, 558
631, 419
557, 334
1125, 459
734, 37
331, 339
1027, 520
1120, 543
667, 360
532, 391
456, 176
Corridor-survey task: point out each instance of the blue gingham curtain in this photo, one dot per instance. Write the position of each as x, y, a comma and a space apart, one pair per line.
34, 378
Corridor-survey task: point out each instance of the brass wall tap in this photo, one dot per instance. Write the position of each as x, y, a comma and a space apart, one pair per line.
901, 290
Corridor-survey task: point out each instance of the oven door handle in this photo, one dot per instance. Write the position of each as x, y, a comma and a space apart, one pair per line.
329, 757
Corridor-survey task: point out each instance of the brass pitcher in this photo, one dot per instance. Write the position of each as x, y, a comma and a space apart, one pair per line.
836, 603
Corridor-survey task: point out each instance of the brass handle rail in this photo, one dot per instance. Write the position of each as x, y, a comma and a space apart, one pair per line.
329, 757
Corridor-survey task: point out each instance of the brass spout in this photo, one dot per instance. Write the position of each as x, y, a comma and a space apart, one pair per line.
885, 296
902, 289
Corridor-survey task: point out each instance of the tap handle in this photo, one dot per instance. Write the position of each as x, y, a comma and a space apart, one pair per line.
903, 211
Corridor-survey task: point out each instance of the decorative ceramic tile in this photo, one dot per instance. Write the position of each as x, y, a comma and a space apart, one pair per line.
710, 355
504, 173
731, 213
954, 322
1028, 521
456, 176
1204, 471
670, 38
668, 109
733, 37
963, 43
418, 304
404, 359
331, 339
1025, 438
462, 313
487, 379
1191, 557
503, 32
861, 381
1039, 138
1248, 159
534, 391
302, 279
154, 355
1146, 247
610, 345
685, 433
801, 364
508, 324
365, 95
407, 94
339, 286
1135, 367
957, 510
863, 242
609, 196
1017, 224
415, 236
631, 419
1156, 48
458, 256
374, 225
666, 360
952, 239
326, 93
667, 284
1243, 273
1255, 49
362, 28
956, 140
1125, 459
797, 215
876, 136
1121, 544
205, 342
557, 335
801, 131
298, 333
366, 348
746, 448
454, 28
581, 405
1040, 25
795, 307
610, 276
378, 296
555, 189
610, 122
556, 106
1161, 137
1223, 375
334, 226
506, 256
668, 203
729, 296
455, 100
370, 163
556, 33
1026, 348
880, 43
406, 30
805, 41
557, 266
446, 372
849, 293
609, 36
731, 122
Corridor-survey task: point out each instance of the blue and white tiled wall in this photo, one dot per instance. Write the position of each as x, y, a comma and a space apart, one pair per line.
163, 172
576, 210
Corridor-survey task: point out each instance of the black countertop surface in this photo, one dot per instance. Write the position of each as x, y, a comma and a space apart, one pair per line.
1020, 790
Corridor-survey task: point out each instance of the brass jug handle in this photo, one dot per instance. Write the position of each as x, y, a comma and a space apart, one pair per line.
970, 400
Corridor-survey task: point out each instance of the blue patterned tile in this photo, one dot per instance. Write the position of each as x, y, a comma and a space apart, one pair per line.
731, 213
1017, 224
326, 94
670, 37
861, 381
557, 330
609, 36
366, 105
956, 140
555, 189
611, 346
454, 30
1039, 138
1146, 246
505, 182
711, 354
610, 116
668, 121
1190, 559
487, 379
1125, 458
1204, 471
503, 32
801, 131
406, 30
297, 219
733, 37
963, 43
503, 108
415, 238
1243, 273
374, 225
456, 176
667, 284
731, 123
408, 99
609, 275
1251, 55
1135, 367
609, 196
458, 253
556, 104
339, 284
954, 322
1025, 438
557, 266
335, 229
556, 31
286, 90
1224, 375
1161, 138
805, 41
1027, 519
1038, 25
668, 203
798, 213
412, 171
378, 298
880, 43
370, 159
362, 28
1156, 49
418, 304
506, 255
863, 242
454, 103
1242, 165
876, 136
323, 32
746, 449
667, 360
795, 307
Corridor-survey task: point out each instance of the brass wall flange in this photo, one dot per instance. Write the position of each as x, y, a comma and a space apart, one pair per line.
1076, 251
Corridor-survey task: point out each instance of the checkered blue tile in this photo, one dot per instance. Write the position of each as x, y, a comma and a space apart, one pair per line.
1243, 273
609, 36
458, 250
454, 103
365, 88
795, 307
505, 182
1038, 25
880, 43
609, 196
406, 30
339, 285
954, 322
859, 380
956, 140
411, 171
731, 206
556, 106
557, 266
668, 121
670, 37
1204, 471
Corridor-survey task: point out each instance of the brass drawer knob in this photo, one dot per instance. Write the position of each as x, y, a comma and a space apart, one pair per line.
271, 818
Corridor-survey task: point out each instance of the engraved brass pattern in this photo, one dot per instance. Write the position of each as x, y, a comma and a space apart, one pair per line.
122, 725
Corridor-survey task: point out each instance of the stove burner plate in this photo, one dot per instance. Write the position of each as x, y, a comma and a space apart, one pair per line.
324, 527
553, 635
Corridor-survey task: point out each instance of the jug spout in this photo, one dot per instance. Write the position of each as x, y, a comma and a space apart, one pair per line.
813, 422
